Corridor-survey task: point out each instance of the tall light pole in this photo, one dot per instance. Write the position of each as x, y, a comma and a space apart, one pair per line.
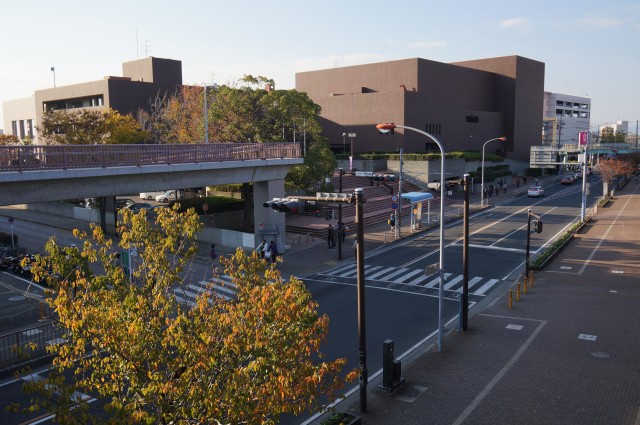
482, 182
53, 69
389, 127
206, 116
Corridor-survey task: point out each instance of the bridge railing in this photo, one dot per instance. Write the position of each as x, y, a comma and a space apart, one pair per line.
22, 158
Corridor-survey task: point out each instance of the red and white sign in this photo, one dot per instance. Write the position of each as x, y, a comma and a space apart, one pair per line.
583, 137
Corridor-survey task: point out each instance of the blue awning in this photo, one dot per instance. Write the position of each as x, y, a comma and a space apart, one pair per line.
417, 196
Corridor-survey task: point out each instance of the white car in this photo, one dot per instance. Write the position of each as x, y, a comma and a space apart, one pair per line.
535, 191
149, 196
169, 195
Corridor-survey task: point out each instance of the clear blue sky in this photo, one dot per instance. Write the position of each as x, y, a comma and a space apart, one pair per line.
590, 48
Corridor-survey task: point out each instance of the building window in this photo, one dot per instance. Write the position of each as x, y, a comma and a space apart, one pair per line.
559, 103
584, 106
433, 128
473, 118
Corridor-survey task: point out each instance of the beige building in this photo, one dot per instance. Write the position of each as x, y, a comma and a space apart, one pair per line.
142, 80
462, 104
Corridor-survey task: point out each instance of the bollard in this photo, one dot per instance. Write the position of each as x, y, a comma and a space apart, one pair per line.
518, 292
41, 308
525, 285
510, 298
531, 278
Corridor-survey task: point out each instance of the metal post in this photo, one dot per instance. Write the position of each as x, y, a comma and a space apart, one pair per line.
482, 179
340, 224
583, 209
206, 117
362, 335
526, 266
465, 256
399, 210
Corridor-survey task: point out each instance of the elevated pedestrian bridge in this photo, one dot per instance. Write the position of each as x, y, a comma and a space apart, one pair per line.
35, 174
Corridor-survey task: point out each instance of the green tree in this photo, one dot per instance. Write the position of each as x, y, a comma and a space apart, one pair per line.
154, 360
88, 127
318, 164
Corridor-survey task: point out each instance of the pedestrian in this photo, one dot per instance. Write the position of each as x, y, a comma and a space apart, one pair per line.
272, 252
212, 252
485, 191
261, 249
524, 179
392, 221
518, 183
331, 237
355, 247
497, 190
343, 232
214, 256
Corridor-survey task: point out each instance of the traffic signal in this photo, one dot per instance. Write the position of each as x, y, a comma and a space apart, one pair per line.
537, 226
289, 206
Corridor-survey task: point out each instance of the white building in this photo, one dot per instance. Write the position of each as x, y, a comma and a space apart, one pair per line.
618, 127
564, 116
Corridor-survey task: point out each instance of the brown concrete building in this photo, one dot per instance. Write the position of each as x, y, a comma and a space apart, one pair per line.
142, 80
462, 104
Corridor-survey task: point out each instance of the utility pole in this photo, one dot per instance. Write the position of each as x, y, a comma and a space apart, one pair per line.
399, 209
340, 225
464, 299
362, 334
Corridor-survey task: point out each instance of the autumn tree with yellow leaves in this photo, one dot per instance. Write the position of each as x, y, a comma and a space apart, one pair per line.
130, 343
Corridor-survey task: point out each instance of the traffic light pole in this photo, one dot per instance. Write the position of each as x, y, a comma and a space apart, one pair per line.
358, 199
464, 313
340, 224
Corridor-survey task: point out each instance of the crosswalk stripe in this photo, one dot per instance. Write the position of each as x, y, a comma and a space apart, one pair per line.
485, 287
418, 279
340, 269
396, 273
453, 282
471, 283
379, 273
408, 275
435, 281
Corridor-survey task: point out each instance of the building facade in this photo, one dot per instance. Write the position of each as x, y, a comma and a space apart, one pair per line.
564, 117
142, 80
462, 104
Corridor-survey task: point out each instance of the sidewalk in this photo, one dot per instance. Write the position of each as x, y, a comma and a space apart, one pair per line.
567, 353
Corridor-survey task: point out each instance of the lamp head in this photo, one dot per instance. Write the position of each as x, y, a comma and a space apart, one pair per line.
386, 128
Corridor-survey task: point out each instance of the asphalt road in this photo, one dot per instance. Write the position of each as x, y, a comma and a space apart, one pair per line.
401, 301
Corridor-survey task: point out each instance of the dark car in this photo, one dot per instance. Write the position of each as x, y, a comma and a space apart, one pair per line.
136, 207
568, 180
123, 203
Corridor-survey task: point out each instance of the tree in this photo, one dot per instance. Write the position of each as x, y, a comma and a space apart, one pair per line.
154, 360
612, 168
318, 164
607, 135
88, 127
8, 140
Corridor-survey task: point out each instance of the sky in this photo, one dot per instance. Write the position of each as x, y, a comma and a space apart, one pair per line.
590, 48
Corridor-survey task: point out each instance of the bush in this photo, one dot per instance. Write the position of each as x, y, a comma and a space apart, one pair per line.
5, 239
217, 204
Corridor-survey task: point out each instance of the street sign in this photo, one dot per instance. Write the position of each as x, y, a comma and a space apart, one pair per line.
394, 198
351, 135
364, 173
10, 219
394, 206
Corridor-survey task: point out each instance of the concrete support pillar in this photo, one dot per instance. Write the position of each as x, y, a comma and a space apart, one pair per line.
262, 192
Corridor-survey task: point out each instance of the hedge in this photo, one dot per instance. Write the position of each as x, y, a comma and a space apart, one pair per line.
217, 204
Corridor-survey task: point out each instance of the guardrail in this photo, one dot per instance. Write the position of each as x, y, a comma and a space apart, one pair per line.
28, 344
23, 158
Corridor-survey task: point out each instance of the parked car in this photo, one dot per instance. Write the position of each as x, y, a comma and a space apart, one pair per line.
150, 196
123, 203
169, 195
139, 206
568, 180
535, 191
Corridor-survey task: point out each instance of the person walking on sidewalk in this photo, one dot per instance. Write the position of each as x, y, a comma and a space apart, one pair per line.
392, 221
331, 237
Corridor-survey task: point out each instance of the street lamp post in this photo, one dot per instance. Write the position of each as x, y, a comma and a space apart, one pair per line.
388, 127
53, 69
482, 178
206, 117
